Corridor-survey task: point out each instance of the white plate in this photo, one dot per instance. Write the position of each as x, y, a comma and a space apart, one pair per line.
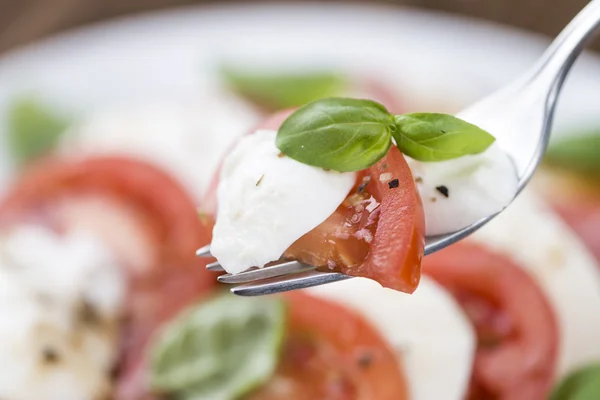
431, 56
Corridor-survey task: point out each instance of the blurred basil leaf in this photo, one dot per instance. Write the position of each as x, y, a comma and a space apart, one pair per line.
438, 137
578, 152
219, 349
583, 384
33, 129
276, 91
337, 133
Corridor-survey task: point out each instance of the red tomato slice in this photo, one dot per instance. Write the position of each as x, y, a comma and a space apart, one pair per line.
332, 353
516, 329
117, 198
385, 244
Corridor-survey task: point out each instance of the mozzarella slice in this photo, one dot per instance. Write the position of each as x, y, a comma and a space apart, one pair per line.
434, 340
267, 201
459, 192
185, 137
60, 300
543, 244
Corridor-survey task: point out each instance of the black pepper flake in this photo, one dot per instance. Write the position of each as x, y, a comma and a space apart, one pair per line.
394, 183
443, 131
260, 179
50, 355
443, 190
88, 314
384, 166
365, 360
433, 199
364, 184
418, 179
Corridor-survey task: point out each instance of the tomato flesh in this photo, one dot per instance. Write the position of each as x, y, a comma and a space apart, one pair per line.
332, 353
516, 329
378, 232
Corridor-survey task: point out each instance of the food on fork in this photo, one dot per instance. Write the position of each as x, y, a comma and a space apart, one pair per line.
327, 187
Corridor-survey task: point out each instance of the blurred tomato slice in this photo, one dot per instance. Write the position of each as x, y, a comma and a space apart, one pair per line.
148, 219
516, 329
332, 353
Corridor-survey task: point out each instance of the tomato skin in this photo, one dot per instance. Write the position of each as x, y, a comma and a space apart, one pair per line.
517, 330
394, 261
156, 292
332, 353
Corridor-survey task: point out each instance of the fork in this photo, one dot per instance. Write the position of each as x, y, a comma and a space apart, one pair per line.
513, 114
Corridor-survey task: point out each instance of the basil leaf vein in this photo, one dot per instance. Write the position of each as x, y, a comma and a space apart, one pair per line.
337, 133
438, 137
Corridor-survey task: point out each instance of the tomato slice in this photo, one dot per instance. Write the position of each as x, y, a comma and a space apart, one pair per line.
116, 198
378, 232
384, 243
332, 353
516, 329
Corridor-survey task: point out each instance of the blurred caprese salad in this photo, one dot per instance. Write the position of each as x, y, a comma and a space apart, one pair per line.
103, 298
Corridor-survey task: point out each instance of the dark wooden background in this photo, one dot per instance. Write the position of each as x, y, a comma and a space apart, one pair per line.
22, 21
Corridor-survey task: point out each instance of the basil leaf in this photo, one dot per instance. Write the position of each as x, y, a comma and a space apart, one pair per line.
279, 91
33, 129
580, 153
583, 384
337, 133
439, 137
220, 349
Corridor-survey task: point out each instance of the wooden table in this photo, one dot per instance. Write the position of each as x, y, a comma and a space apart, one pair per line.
22, 21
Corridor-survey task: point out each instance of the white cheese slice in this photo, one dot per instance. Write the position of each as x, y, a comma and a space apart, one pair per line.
60, 299
266, 202
457, 193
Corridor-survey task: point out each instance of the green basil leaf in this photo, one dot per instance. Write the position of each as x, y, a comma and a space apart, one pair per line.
580, 153
220, 349
279, 91
33, 129
583, 384
439, 137
337, 133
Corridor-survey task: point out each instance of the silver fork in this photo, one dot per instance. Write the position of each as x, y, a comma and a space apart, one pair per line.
519, 115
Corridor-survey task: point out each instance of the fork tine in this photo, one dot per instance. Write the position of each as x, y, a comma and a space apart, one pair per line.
286, 283
282, 268
215, 266
204, 251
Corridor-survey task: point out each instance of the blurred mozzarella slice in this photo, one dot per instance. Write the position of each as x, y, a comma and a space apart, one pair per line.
457, 193
61, 300
186, 137
434, 340
540, 242
268, 201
